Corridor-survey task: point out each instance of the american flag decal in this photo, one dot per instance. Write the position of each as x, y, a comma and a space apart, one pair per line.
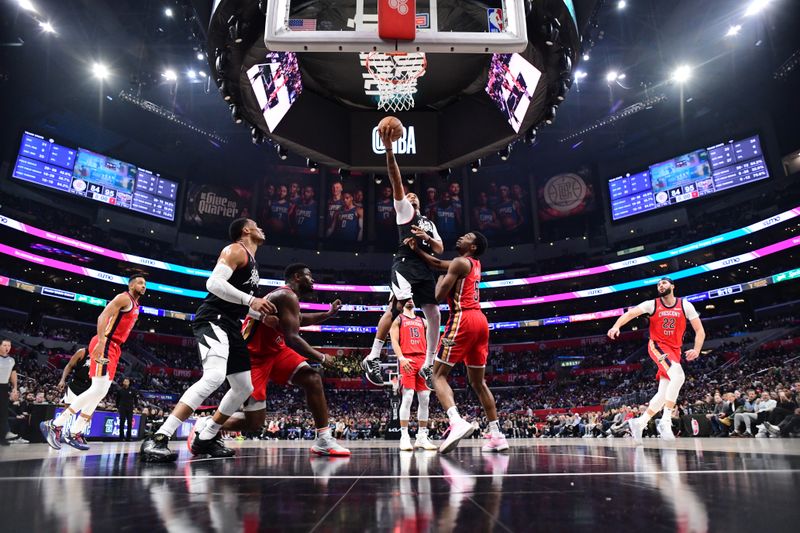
303, 24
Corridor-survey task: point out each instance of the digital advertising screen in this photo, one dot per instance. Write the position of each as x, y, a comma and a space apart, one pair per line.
94, 176
512, 80
688, 176
276, 84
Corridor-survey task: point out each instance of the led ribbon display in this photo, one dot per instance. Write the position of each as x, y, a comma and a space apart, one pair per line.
619, 265
582, 317
515, 302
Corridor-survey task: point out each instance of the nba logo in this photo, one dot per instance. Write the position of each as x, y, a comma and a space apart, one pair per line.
495, 16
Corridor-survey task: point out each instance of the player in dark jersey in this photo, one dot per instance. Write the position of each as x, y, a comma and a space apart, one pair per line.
113, 327
348, 222
80, 381
408, 334
223, 352
509, 211
410, 276
448, 216
304, 215
668, 317
465, 339
278, 354
279, 210
484, 216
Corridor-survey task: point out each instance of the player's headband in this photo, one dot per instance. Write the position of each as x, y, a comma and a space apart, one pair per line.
667, 279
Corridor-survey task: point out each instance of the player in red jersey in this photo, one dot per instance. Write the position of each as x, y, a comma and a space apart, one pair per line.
668, 317
410, 345
465, 338
279, 354
113, 327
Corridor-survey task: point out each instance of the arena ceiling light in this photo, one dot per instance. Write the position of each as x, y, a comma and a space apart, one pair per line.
580, 74
100, 71
191, 74
27, 5
586, 56
550, 115
168, 12
530, 136
200, 56
236, 114
283, 153
682, 74
622, 4
505, 153
755, 7
612, 76
169, 75
46, 26
734, 30
475, 166
313, 166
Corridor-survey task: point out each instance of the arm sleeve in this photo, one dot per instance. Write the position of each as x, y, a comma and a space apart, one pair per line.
689, 310
648, 307
218, 285
405, 211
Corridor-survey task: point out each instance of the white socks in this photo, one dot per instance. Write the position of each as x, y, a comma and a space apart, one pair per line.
210, 430
452, 415
404, 431
62, 418
170, 426
645, 417
377, 346
494, 429
667, 416
79, 425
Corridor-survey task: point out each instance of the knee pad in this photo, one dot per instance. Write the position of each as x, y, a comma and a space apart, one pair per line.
424, 398
241, 389
405, 405
210, 381
676, 374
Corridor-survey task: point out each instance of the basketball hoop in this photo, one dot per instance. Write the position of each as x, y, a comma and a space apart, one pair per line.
392, 76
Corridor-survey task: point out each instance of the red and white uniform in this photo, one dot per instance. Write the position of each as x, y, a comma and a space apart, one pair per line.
270, 358
667, 326
118, 328
466, 335
413, 345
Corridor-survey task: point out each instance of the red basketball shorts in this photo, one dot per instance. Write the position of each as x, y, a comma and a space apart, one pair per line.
412, 380
465, 339
664, 357
279, 368
111, 353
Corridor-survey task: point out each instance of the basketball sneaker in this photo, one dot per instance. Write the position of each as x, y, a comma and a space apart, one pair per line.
51, 433
636, 428
77, 441
423, 442
405, 443
426, 372
461, 429
664, 428
212, 447
327, 445
199, 424
372, 371
155, 449
497, 443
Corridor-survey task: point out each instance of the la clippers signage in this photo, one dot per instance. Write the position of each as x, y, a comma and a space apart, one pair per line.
417, 147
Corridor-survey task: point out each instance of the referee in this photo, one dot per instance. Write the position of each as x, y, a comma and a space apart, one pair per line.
7, 374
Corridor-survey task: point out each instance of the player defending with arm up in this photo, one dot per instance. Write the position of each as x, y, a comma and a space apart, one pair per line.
668, 317
411, 277
465, 339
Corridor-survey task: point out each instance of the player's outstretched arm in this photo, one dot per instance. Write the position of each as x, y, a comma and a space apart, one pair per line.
312, 319
231, 258
431, 261
458, 268
289, 321
629, 315
392, 168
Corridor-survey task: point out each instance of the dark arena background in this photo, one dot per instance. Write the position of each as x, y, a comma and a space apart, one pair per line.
634, 166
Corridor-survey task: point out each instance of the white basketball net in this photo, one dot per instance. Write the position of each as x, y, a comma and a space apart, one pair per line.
392, 77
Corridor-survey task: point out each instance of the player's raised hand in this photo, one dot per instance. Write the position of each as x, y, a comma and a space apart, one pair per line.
335, 306
692, 354
613, 333
386, 137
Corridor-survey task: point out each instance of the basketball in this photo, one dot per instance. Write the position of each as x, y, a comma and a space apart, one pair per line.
394, 124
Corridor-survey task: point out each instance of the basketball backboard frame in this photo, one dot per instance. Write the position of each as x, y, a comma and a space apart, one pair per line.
279, 38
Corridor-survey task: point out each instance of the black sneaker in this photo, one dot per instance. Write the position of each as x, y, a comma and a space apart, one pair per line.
212, 447
372, 371
155, 449
426, 372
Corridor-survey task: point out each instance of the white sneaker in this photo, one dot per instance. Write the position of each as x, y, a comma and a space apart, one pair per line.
636, 427
458, 430
664, 428
328, 446
423, 442
405, 443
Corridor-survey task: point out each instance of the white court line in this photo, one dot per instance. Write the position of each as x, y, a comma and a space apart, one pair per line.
434, 476
321, 520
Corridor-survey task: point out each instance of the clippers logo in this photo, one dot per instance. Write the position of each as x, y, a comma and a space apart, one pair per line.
405, 145
401, 6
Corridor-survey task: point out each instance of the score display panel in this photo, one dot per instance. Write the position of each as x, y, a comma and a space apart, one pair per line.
688, 176
95, 176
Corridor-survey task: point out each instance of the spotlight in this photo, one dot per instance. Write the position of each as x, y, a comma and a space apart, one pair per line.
233, 29
445, 173
411, 179
550, 30
563, 88
202, 74
586, 56
47, 27
283, 153
475, 166
224, 90
622, 4
257, 136
755, 7
168, 12
682, 74
100, 71
566, 62
169, 75
262, 6
200, 56
580, 74
378, 179
191, 74
530, 136
27, 5
236, 114
221, 61
733, 31
612, 76
313, 166
344, 173
550, 115
505, 153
